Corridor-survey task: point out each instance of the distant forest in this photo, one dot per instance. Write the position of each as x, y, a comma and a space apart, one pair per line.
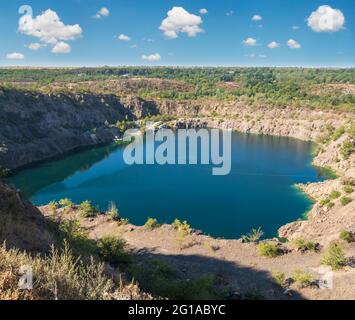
298, 87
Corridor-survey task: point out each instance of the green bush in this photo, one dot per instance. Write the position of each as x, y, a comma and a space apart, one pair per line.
335, 195
66, 203
152, 224
347, 149
112, 250
254, 236
348, 189
304, 245
268, 249
345, 200
302, 279
334, 257
346, 236
279, 278
87, 210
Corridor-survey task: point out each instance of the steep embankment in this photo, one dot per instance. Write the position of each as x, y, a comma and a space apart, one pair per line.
35, 126
21, 224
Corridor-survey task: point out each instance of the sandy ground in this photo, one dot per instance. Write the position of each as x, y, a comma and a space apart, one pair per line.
236, 264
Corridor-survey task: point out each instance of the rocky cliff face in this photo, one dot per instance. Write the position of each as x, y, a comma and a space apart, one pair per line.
36, 127
21, 224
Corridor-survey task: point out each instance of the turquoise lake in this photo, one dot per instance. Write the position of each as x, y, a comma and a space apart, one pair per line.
258, 192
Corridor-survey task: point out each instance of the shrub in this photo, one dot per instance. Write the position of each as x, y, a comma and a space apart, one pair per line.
254, 236
345, 200
334, 257
87, 210
77, 237
112, 250
112, 211
279, 278
65, 203
268, 249
152, 224
324, 202
53, 206
304, 245
346, 236
183, 230
335, 195
346, 149
348, 189
302, 279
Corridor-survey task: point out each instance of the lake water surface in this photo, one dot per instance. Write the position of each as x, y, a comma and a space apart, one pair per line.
258, 192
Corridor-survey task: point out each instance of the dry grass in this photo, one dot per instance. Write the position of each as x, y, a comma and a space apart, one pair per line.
60, 276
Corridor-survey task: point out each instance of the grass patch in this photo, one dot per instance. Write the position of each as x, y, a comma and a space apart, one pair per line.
268, 249
302, 279
279, 278
152, 224
348, 189
334, 257
334, 195
346, 236
58, 276
304, 245
345, 201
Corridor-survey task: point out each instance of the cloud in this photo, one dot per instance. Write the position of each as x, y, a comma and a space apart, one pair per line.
61, 47
179, 20
326, 19
293, 44
230, 13
152, 57
35, 46
252, 55
103, 12
249, 42
256, 18
124, 37
295, 28
48, 28
273, 45
15, 56
262, 56
203, 11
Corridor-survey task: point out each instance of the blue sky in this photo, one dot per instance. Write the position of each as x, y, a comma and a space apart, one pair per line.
225, 35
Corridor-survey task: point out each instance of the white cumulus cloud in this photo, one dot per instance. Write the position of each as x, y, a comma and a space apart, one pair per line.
48, 28
203, 11
35, 46
256, 18
249, 42
152, 57
273, 45
179, 20
326, 19
61, 47
293, 44
15, 56
124, 37
103, 12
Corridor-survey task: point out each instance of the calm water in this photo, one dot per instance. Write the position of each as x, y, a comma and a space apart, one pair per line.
258, 192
